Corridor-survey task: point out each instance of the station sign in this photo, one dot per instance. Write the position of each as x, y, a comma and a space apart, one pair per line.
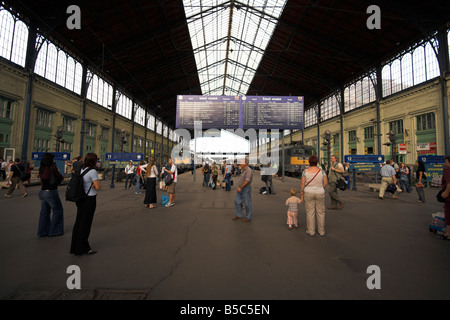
124, 156
59, 156
367, 158
432, 159
364, 167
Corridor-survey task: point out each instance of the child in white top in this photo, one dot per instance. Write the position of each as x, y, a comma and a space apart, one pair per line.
292, 203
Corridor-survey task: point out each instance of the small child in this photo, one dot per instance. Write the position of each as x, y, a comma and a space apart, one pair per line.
292, 203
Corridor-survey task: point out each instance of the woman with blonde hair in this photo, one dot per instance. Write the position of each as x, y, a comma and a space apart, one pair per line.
151, 173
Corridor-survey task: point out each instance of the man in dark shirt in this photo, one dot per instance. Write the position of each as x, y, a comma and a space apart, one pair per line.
15, 178
76, 165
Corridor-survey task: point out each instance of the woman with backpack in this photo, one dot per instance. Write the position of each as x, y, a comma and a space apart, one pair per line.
50, 201
86, 208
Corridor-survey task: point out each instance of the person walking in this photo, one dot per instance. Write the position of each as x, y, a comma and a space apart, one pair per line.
244, 193
129, 171
206, 174
228, 177
420, 179
15, 178
76, 165
446, 194
86, 208
313, 184
171, 187
3, 165
403, 171
214, 174
49, 197
292, 203
151, 172
336, 172
388, 177
138, 178
267, 173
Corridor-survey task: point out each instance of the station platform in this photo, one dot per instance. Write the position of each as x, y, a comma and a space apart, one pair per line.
194, 251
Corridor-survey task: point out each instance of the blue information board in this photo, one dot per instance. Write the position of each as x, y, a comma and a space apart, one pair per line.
363, 167
62, 156
367, 158
124, 156
432, 159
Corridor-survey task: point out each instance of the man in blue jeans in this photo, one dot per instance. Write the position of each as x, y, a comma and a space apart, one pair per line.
244, 193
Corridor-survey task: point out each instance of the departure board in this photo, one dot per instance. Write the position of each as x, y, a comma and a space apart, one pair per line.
271, 112
245, 112
213, 111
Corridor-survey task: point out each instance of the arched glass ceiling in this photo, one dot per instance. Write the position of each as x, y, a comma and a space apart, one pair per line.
229, 39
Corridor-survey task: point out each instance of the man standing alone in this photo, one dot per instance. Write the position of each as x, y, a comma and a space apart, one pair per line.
336, 172
244, 193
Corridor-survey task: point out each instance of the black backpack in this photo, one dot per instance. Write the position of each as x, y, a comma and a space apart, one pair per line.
24, 174
75, 187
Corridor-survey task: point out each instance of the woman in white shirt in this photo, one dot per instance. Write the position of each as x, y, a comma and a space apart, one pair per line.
151, 172
313, 184
86, 208
129, 171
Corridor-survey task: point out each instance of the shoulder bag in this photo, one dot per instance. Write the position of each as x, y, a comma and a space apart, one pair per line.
340, 182
439, 196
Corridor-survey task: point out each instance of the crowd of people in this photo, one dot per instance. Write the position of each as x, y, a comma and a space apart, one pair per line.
315, 183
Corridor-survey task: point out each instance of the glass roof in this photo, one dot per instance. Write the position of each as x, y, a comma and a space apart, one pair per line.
229, 39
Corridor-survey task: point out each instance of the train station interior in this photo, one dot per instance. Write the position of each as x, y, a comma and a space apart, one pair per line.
104, 77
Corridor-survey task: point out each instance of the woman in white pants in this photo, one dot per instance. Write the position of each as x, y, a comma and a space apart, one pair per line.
313, 184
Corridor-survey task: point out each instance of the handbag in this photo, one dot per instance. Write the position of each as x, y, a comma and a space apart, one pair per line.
392, 188
341, 182
53, 179
439, 196
164, 199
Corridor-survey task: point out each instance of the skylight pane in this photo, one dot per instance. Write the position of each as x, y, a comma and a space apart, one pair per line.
253, 23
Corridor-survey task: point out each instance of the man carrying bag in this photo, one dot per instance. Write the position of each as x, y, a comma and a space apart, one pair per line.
335, 173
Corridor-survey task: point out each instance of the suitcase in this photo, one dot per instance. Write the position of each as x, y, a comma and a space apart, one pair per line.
437, 224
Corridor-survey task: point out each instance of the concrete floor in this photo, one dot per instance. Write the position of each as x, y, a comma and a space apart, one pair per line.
194, 251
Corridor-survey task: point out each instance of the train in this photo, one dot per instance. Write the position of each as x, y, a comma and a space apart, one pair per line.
295, 159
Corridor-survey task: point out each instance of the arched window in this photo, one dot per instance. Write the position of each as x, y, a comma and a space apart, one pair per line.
387, 80
407, 71
419, 65
61, 68
13, 38
396, 76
